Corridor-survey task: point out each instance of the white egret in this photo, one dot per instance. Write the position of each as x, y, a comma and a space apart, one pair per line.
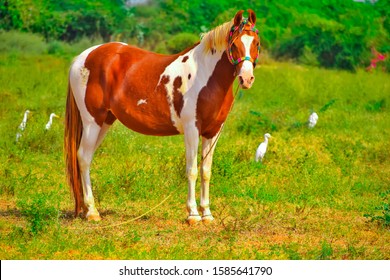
22, 125
49, 123
260, 152
312, 120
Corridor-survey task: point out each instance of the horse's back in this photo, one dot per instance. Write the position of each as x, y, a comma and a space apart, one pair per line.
123, 81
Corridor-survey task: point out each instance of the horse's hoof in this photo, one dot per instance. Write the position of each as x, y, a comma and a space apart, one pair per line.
94, 217
192, 220
207, 219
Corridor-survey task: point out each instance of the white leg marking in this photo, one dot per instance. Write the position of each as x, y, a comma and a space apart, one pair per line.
191, 137
85, 154
208, 147
102, 134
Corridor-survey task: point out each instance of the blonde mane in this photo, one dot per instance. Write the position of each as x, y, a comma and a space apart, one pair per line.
217, 38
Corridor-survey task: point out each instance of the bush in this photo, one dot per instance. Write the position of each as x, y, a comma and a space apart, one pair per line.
181, 41
336, 34
18, 42
34, 44
308, 57
38, 212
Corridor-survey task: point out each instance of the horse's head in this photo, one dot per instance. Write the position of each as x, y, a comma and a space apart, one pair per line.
243, 47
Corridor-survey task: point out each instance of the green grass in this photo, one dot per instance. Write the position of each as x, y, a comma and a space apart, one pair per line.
312, 198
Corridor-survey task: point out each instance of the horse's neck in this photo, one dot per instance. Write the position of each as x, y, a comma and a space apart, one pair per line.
214, 66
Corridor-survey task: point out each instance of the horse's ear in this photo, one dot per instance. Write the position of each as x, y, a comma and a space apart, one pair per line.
252, 16
238, 18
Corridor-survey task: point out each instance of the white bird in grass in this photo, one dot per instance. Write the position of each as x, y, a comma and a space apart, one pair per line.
22, 125
49, 123
312, 120
260, 152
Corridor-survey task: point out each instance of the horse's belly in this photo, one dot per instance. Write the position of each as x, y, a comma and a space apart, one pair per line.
146, 120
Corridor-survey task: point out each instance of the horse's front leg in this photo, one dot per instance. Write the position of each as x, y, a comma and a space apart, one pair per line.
208, 147
191, 138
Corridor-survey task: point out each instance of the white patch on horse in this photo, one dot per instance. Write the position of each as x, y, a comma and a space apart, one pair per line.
78, 79
200, 67
141, 101
247, 41
175, 69
84, 74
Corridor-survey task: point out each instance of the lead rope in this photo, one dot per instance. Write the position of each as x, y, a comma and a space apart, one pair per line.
169, 195
132, 220
139, 217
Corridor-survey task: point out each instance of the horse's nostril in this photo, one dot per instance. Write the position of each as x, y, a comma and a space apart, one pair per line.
241, 80
252, 78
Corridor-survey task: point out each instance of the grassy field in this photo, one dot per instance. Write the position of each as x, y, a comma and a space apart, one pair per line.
319, 194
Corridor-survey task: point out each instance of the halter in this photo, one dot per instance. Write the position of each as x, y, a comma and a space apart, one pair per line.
230, 43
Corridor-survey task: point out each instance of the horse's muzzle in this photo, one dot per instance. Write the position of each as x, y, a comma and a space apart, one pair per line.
246, 81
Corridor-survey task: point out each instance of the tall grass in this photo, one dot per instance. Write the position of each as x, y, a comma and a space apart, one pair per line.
306, 201
16, 43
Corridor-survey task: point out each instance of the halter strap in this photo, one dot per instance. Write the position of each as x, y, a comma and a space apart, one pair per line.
229, 51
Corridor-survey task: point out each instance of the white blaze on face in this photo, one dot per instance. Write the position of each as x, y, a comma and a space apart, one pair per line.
247, 66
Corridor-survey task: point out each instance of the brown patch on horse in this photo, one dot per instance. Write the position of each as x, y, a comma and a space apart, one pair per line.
178, 101
118, 80
216, 94
189, 76
185, 59
110, 119
164, 81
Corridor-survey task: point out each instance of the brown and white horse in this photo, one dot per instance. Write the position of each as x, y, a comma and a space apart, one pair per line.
188, 93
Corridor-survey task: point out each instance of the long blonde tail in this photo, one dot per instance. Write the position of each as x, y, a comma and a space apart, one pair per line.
72, 138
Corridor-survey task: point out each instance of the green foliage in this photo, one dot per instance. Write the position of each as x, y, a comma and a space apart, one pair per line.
384, 209
17, 42
327, 33
327, 105
181, 41
67, 20
334, 34
308, 57
21, 43
376, 106
39, 212
326, 251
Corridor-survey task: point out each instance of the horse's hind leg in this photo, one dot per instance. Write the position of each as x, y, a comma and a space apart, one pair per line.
110, 119
102, 134
88, 145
